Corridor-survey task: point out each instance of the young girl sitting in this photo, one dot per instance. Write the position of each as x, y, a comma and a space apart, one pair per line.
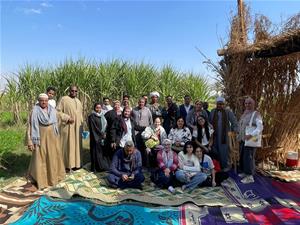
189, 172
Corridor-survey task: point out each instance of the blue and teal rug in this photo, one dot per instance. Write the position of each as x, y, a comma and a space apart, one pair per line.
49, 211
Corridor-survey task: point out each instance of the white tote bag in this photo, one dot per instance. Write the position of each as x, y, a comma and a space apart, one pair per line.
255, 141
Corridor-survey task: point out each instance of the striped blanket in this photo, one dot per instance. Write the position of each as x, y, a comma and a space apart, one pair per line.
15, 199
283, 175
94, 186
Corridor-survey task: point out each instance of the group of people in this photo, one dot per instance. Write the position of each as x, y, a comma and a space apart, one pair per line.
185, 145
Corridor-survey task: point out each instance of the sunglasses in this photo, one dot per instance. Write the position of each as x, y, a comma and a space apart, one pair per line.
74, 91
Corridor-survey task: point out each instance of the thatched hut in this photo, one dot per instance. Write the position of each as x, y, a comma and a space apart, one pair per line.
268, 70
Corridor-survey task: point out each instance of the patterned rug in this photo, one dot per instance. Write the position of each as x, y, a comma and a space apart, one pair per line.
49, 211
94, 186
275, 215
263, 193
283, 175
267, 201
15, 199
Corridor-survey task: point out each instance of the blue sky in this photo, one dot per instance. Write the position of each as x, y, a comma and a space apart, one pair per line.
158, 32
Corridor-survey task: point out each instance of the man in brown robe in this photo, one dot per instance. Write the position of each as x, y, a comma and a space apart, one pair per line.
46, 165
70, 132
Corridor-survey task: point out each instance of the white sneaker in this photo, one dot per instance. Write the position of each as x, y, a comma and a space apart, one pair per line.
242, 175
171, 189
247, 179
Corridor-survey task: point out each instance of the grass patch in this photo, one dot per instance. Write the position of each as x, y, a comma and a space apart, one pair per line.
10, 139
13, 153
7, 119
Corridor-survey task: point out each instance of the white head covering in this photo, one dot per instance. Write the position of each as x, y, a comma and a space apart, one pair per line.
154, 93
220, 99
167, 141
43, 95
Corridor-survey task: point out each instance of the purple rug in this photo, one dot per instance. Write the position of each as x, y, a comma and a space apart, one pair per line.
266, 201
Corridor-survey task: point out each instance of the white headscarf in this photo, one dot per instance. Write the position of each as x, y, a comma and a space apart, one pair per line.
167, 156
249, 111
154, 93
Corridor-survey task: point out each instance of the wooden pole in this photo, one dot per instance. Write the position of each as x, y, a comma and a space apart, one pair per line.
242, 21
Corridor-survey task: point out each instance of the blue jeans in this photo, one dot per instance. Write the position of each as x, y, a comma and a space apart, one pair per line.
193, 182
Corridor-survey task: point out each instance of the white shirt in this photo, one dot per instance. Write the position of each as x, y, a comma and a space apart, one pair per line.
259, 127
52, 102
181, 135
204, 138
106, 108
187, 108
188, 163
126, 136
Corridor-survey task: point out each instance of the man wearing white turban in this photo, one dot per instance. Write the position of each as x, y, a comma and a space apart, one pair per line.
154, 106
223, 121
154, 93
46, 165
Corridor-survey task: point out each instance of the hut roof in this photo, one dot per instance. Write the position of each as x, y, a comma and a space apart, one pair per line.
279, 45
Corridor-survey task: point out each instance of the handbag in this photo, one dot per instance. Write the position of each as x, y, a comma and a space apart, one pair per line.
255, 141
150, 143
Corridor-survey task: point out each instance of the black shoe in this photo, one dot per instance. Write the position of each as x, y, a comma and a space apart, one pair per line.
140, 187
112, 186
